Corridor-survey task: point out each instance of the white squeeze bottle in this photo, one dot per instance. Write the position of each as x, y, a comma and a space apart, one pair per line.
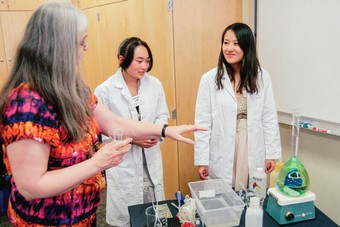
254, 213
259, 183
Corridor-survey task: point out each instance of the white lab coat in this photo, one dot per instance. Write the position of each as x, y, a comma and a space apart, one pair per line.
125, 181
217, 111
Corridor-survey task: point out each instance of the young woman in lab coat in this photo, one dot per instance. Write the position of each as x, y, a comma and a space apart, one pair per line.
135, 94
235, 103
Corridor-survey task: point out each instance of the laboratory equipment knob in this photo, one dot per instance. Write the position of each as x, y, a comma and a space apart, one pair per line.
289, 216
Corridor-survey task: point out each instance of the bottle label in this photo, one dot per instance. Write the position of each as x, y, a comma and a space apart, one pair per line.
259, 185
258, 179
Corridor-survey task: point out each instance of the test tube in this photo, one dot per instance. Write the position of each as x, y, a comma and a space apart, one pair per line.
179, 199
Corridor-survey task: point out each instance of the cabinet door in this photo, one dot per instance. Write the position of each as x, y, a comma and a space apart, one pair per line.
3, 4
197, 38
92, 67
23, 5
155, 27
13, 27
84, 4
151, 21
185, 42
104, 2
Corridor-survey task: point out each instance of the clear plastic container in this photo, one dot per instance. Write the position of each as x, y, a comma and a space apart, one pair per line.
216, 202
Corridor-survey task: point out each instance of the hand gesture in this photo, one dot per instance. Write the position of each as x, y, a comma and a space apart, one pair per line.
176, 132
146, 143
112, 154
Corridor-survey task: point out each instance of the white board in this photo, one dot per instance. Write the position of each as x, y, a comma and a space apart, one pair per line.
298, 42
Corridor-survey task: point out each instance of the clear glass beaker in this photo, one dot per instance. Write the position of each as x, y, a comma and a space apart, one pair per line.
155, 217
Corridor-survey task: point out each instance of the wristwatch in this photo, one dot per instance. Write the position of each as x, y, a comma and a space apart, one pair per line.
163, 130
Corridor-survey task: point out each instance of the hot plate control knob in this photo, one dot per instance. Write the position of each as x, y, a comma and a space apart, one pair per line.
289, 216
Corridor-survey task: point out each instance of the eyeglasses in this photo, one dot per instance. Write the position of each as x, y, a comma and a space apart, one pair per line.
84, 43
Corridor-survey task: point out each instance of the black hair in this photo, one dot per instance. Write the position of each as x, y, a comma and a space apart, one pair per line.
250, 65
127, 50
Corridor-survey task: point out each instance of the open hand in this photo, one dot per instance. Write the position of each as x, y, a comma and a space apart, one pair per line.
176, 132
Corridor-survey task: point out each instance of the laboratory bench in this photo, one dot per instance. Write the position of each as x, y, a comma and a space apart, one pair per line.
138, 217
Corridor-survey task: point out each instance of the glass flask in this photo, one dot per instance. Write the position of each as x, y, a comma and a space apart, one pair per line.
293, 179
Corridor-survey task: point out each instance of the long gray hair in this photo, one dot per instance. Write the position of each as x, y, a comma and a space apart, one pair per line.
48, 59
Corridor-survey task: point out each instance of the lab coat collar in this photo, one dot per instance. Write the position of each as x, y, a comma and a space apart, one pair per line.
120, 84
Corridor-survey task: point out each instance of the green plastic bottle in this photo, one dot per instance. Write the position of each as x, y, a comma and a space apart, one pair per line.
293, 179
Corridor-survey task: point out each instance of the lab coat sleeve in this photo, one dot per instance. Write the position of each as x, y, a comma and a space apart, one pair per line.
203, 118
102, 93
162, 113
270, 121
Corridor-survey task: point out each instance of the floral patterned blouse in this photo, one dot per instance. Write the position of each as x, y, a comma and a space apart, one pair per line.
27, 116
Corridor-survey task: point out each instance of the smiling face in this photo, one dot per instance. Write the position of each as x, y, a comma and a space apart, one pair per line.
232, 51
139, 64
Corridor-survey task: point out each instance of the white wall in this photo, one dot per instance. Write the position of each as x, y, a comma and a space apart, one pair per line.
301, 54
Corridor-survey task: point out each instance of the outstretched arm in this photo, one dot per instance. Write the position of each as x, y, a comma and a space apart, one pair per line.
141, 130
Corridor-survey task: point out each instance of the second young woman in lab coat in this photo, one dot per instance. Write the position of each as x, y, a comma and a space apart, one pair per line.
235, 102
135, 94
